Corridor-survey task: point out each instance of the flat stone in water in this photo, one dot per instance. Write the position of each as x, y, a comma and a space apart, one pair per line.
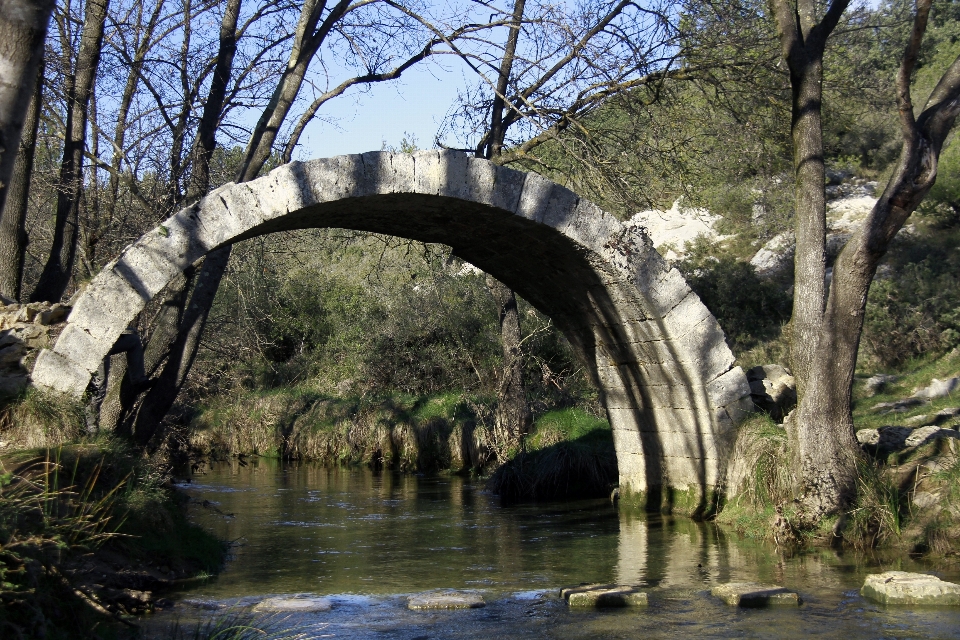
298, 604
754, 594
603, 595
445, 600
902, 587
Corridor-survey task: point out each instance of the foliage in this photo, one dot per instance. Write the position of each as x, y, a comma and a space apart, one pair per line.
56, 505
914, 307
236, 625
569, 454
750, 309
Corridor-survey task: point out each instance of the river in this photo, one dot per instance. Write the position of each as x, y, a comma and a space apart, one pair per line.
367, 541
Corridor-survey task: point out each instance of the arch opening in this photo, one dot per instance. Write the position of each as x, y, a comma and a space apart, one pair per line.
659, 358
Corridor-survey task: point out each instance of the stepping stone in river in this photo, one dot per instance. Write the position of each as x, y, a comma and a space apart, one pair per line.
902, 587
754, 594
445, 600
293, 604
603, 595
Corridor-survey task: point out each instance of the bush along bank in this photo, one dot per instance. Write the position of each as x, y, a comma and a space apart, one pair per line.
908, 490
568, 452
91, 534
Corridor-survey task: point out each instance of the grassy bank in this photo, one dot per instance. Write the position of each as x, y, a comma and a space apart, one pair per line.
446, 431
569, 452
90, 533
907, 501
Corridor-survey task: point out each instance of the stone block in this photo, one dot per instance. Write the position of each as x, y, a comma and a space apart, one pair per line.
902, 587
587, 225
452, 174
445, 600
728, 388
284, 190
293, 604
603, 596
149, 264
331, 179
106, 306
58, 373
752, 594
663, 287
81, 347
427, 178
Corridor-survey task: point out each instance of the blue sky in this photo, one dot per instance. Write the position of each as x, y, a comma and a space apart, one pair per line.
358, 122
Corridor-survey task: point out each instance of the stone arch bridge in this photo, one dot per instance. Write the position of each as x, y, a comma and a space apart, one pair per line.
666, 375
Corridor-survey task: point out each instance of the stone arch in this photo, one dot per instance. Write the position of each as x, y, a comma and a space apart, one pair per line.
667, 377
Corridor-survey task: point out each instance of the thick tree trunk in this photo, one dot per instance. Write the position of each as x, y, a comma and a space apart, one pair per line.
23, 29
13, 235
58, 270
512, 419
822, 436
165, 388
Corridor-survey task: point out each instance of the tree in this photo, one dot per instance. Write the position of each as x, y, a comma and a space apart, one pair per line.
828, 320
316, 23
23, 29
553, 67
79, 80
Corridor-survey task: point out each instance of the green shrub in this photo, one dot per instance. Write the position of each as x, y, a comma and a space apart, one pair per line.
750, 309
914, 310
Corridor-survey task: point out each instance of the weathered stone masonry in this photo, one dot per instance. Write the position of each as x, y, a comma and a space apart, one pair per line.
660, 358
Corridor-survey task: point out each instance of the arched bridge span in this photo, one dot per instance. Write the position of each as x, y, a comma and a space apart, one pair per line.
666, 375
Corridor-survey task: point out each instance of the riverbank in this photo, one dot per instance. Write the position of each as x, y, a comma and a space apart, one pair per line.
568, 453
92, 534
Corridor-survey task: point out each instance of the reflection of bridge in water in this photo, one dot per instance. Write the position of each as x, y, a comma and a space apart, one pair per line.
666, 376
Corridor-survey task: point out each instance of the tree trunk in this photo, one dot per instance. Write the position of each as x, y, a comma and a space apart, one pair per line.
512, 419
23, 29
165, 388
58, 270
822, 437
13, 236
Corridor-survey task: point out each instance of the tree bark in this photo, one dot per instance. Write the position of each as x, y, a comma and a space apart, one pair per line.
822, 437
512, 418
13, 235
78, 87
23, 29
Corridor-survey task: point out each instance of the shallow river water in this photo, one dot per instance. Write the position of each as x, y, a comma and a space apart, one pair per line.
367, 541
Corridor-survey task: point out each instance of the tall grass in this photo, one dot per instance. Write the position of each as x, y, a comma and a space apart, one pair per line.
241, 625
44, 518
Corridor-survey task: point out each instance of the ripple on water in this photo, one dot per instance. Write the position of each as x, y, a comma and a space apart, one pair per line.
362, 541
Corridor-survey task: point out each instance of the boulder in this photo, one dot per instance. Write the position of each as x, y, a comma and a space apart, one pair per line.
774, 257
938, 389
754, 594
604, 595
902, 587
876, 384
293, 604
924, 435
900, 406
773, 389
445, 600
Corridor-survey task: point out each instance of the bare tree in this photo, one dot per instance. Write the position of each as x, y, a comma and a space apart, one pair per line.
13, 236
23, 29
553, 67
78, 87
316, 24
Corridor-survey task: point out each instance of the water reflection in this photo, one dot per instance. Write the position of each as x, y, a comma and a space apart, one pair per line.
367, 539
